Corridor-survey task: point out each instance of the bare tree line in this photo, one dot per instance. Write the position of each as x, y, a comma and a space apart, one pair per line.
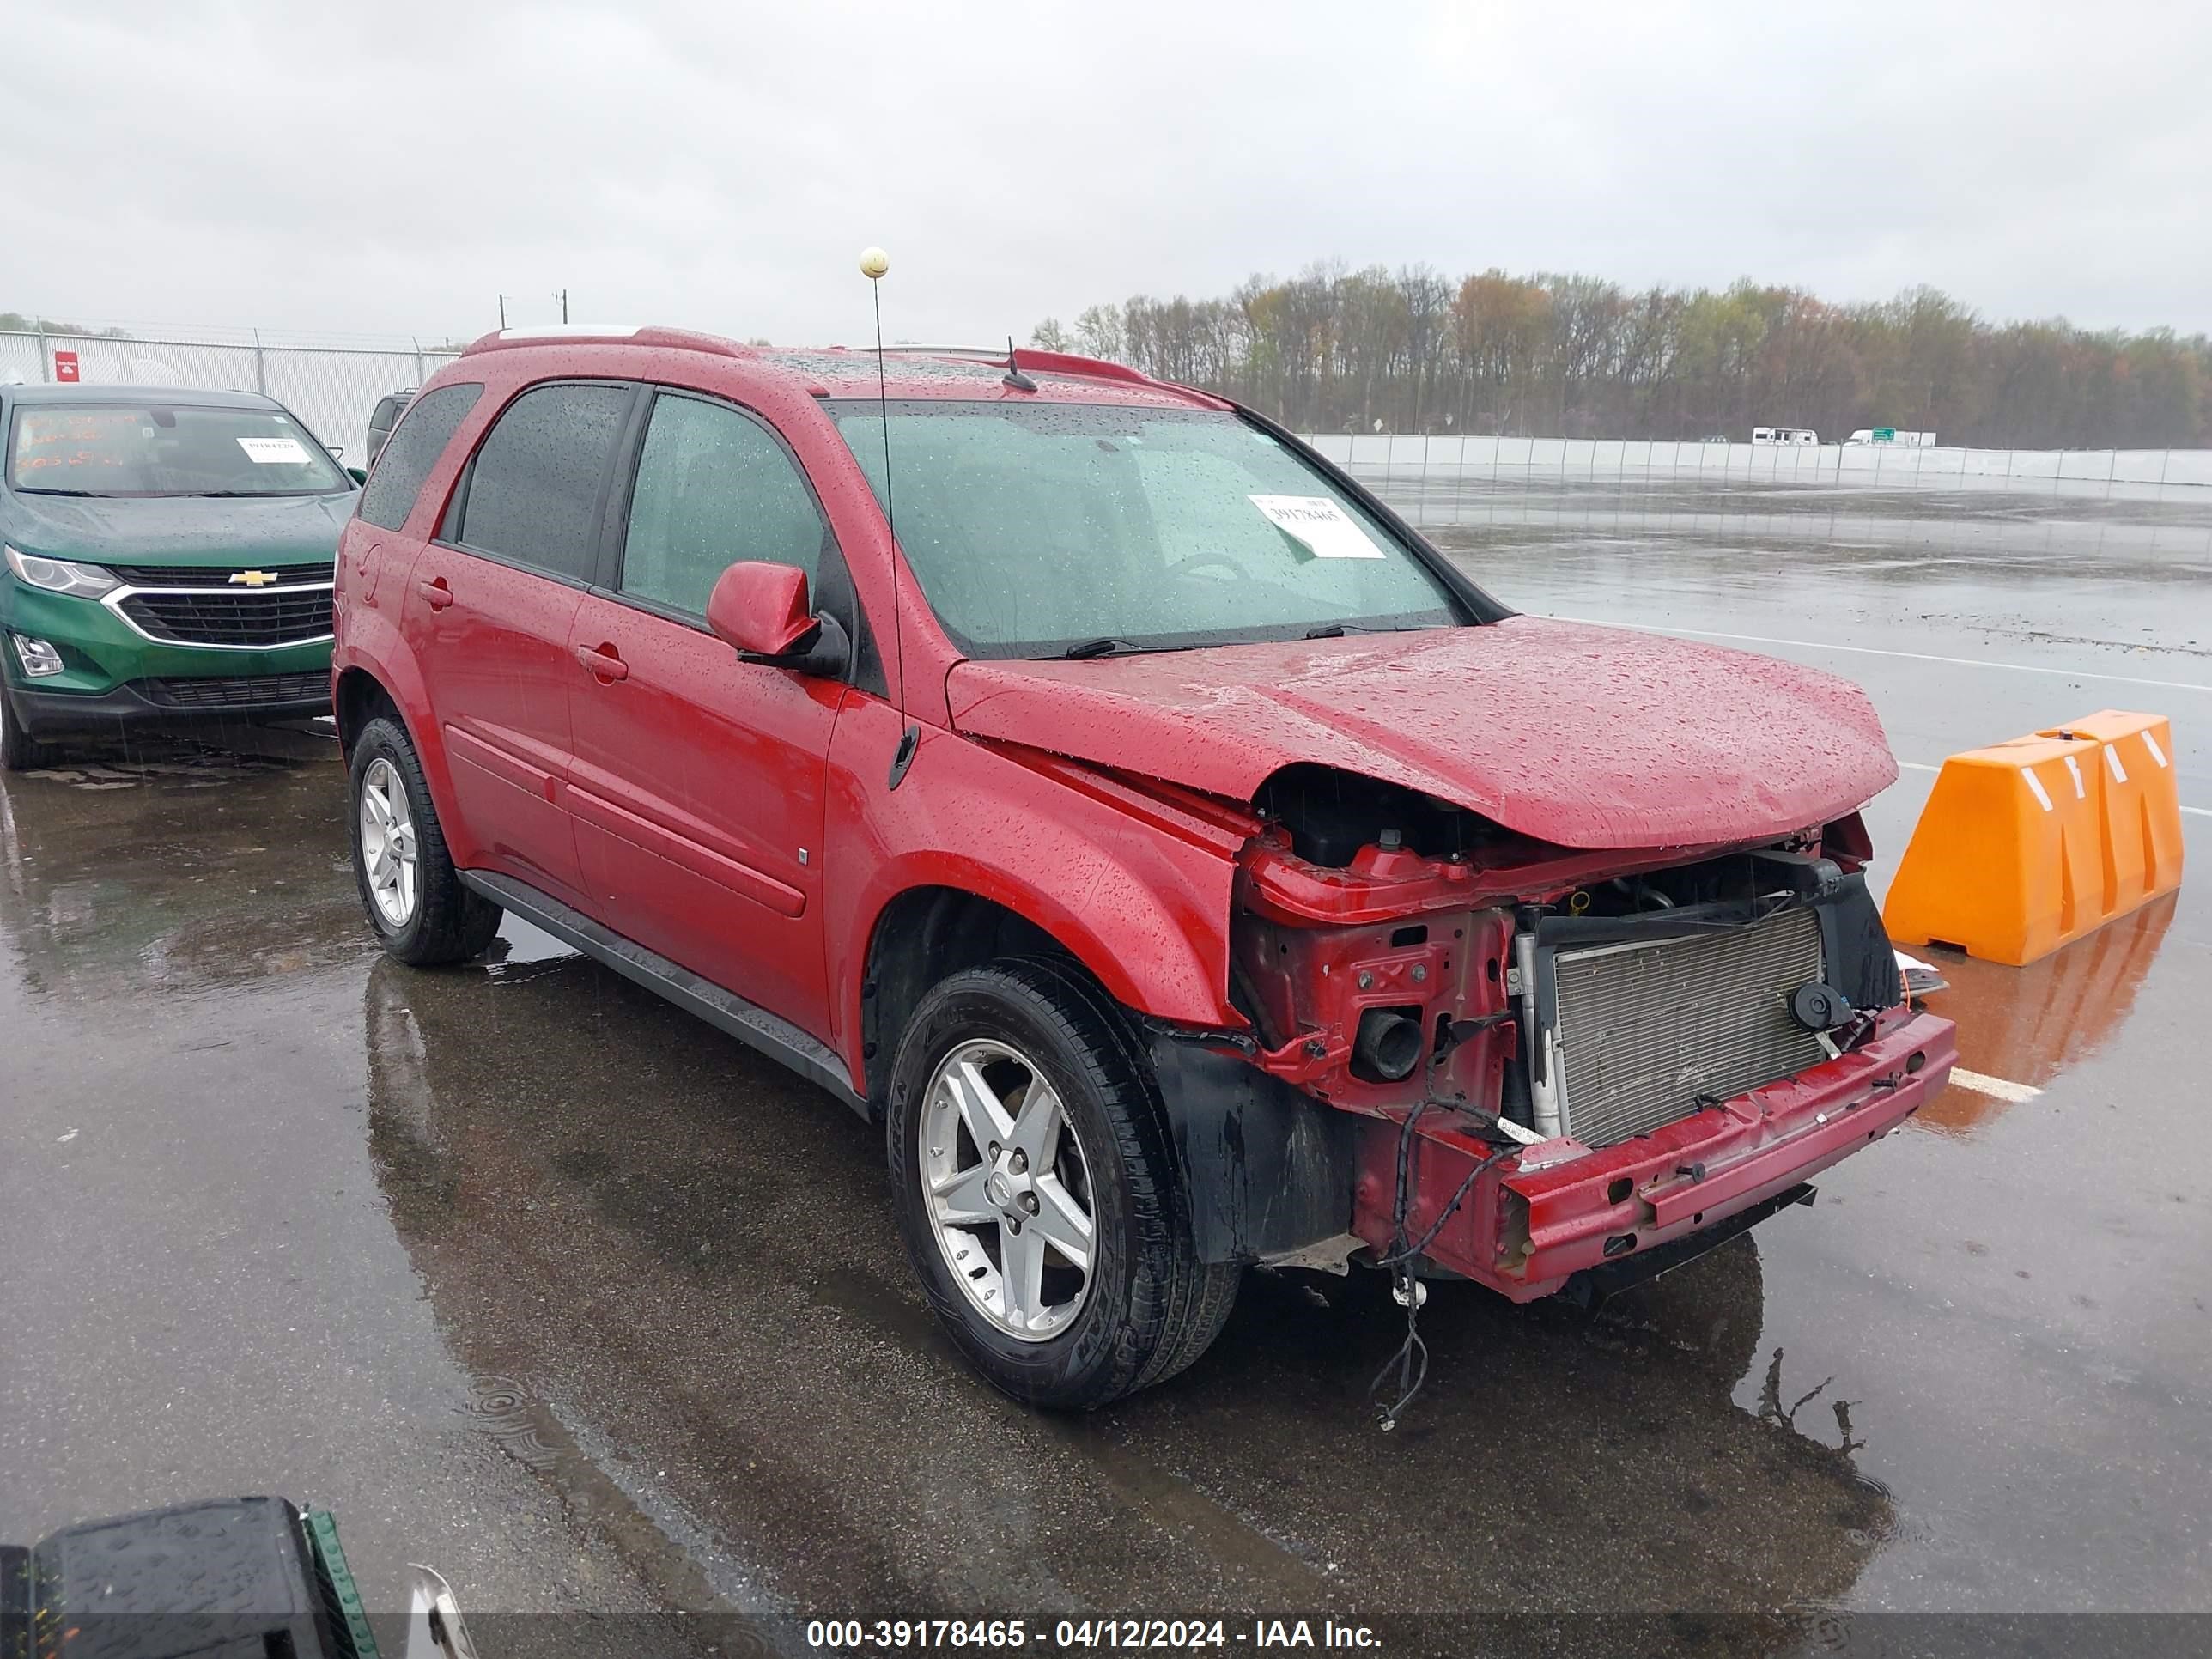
1335, 349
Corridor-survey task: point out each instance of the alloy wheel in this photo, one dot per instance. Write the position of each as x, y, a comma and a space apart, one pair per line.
1007, 1189
387, 843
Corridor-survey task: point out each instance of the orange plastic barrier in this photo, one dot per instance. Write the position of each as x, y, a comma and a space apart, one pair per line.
2029, 844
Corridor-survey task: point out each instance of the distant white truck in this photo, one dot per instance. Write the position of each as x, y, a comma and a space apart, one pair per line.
1785, 435
1890, 434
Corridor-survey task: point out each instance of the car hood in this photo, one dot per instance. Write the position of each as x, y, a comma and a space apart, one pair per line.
185, 529
1579, 735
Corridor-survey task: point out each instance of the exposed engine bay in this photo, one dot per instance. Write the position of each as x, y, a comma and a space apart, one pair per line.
1394, 948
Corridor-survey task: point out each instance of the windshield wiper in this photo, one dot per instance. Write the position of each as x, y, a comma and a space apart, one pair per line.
1337, 631
30, 489
1107, 646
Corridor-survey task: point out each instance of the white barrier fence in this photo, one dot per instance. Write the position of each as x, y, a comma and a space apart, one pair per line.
1473, 461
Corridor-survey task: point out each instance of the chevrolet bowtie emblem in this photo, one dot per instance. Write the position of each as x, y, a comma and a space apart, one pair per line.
254, 578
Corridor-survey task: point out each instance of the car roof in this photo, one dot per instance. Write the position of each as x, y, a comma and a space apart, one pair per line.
169, 396
838, 372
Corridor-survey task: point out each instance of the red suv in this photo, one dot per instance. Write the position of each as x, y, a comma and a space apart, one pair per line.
1185, 862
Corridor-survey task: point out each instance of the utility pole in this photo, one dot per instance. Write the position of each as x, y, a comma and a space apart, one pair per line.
562, 297
503, 313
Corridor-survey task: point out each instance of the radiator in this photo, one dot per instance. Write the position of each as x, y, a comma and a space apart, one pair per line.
1646, 1029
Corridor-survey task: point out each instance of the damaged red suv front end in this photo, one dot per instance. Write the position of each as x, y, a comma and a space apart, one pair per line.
1425, 995
1582, 983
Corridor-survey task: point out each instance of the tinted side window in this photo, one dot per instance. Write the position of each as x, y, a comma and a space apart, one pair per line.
396, 478
534, 492
714, 487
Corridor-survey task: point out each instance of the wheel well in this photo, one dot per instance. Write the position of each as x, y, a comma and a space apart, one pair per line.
359, 700
922, 936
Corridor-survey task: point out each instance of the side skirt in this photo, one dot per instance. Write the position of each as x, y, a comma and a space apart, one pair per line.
755, 1027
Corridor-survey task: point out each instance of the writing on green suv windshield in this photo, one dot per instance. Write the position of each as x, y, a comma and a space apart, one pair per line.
166, 449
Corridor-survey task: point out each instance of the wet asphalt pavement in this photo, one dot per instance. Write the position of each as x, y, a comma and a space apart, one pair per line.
530, 1276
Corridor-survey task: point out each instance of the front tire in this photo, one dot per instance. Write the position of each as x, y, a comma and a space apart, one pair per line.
414, 895
1037, 1193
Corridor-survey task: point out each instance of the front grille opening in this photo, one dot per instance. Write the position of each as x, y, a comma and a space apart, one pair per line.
272, 618
236, 691
1619, 1244
1417, 934
1618, 1189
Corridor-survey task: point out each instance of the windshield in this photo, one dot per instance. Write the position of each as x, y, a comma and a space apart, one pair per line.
164, 449
1033, 528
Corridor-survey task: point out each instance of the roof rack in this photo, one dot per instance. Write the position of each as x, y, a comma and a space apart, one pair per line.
682, 339
1052, 363
907, 348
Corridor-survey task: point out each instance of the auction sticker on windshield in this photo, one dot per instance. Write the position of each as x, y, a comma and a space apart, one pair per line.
1318, 525
269, 451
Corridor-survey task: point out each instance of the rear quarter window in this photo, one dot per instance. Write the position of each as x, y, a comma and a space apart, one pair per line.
396, 478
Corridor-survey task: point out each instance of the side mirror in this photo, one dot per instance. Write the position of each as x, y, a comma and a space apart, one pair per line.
762, 610
358, 474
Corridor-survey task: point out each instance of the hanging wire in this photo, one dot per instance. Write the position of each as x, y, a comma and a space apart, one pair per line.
1410, 1360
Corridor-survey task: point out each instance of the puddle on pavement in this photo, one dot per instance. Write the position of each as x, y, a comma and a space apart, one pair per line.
2031, 1025
99, 765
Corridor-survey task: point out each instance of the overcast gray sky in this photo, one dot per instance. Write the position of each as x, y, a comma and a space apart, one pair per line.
389, 166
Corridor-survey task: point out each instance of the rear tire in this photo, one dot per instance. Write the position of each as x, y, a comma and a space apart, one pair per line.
415, 897
19, 751
971, 1205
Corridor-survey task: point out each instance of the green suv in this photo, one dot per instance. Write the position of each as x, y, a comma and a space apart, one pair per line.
167, 561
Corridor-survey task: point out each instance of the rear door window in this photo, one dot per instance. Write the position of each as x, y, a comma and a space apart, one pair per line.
399, 468
714, 487
535, 489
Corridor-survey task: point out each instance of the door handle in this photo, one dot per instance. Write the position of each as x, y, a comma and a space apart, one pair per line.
436, 593
602, 661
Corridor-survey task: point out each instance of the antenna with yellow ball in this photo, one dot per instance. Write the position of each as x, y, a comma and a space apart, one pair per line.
874, 262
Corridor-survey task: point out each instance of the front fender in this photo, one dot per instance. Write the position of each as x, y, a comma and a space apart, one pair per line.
1146, 911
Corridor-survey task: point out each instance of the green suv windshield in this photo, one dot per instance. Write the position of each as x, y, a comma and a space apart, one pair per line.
164, 449
1034, 527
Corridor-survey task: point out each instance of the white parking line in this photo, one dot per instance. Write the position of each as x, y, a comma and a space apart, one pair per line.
1916, 656
1996, 1087
1923, 766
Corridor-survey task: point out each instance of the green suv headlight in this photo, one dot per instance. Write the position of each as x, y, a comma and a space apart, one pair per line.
85, 581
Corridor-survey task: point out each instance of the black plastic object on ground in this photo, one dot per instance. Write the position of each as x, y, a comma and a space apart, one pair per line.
231, 1576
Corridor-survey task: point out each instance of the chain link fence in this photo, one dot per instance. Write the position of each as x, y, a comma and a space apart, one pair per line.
331, 388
